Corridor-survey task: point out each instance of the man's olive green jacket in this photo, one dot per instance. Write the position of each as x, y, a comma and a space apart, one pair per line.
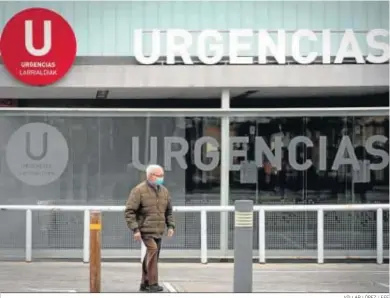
149, 210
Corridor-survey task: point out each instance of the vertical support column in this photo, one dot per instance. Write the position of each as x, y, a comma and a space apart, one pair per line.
86, 237
147, 160
203, 237
28, 251
379, 236
262, 236
243, 246
320, 236
95, 227
225, 168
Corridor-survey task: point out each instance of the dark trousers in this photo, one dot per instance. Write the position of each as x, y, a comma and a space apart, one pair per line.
150, 262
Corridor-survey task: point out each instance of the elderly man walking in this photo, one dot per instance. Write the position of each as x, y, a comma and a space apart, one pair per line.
148, 212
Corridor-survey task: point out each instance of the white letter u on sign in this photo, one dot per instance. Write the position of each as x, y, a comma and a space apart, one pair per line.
28, 38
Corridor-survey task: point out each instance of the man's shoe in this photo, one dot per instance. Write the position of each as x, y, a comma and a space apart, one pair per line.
155, 288
143, 287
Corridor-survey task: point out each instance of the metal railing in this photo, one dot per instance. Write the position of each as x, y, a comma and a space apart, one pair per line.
203, 210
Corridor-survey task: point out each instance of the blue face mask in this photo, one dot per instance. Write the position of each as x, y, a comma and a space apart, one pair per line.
159, 181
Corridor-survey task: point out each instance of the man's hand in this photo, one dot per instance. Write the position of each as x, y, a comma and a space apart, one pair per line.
170, 232
137, 236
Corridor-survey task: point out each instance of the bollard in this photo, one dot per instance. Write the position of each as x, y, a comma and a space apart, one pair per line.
95, 227
243, 246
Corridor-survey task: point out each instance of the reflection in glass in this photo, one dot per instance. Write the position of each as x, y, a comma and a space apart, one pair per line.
106, 158
270, 164
313, 160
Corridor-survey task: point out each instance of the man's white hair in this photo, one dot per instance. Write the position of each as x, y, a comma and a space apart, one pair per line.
151, 168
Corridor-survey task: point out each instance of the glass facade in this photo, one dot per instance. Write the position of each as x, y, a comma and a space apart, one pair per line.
106, 28
313, 173
274, 160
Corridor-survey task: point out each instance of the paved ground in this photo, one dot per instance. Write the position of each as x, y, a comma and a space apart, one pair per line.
124, 277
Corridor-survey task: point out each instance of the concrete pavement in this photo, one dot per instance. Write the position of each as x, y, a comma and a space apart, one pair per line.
124, 277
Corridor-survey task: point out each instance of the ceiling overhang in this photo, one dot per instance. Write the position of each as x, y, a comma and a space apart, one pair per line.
91, 76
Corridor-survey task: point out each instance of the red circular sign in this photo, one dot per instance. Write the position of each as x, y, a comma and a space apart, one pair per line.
38, 46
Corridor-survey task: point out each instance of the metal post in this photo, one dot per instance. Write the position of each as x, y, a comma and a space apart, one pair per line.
243, 246
95, 227
28, 235
262, 236
379, 236
203, 237
86, 237
320, 236
225, 168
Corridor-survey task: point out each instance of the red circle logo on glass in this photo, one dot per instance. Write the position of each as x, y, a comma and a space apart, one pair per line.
38, 46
